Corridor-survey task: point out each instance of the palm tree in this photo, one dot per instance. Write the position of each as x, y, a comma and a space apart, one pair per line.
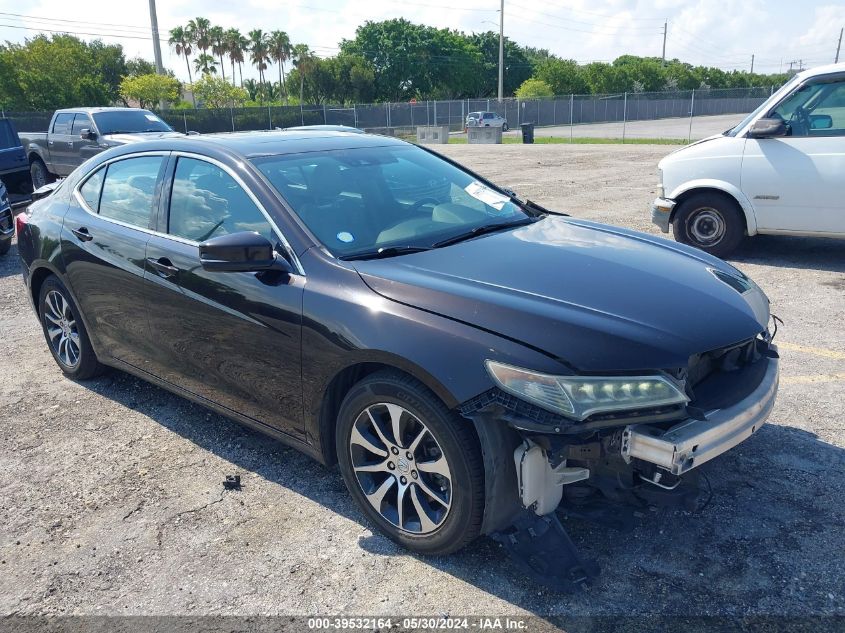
206, 64
280, 50
259, 54
180, 40
218, 45
236, 45
251, 88
302, 59
199, 29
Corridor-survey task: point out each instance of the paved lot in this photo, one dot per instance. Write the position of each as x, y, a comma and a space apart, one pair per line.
111, 499
702, 127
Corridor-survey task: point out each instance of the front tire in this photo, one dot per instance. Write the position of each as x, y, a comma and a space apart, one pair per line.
712, 222
412, 466
65, 332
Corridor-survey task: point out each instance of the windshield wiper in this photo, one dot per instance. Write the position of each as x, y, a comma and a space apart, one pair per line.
390, 251
482, 230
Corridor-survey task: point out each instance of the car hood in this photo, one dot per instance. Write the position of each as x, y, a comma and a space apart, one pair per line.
598, 298
137, 137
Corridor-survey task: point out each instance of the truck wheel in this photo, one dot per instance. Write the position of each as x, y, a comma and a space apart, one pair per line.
712, 222
65, 332
413, 466
38, 172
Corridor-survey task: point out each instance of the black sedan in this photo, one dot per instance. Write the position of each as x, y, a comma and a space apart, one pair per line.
471, 360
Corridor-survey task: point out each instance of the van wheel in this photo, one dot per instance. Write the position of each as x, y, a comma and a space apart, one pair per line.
412, 466
710, 221
38, 172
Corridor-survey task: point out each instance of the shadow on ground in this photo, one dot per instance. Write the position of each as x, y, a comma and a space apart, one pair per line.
811, 253
770, 541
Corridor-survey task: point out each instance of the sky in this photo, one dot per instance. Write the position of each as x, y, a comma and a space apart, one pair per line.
722, 33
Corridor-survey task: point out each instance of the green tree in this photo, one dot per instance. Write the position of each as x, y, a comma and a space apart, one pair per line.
280, 50
216, 92
533, 89
564, 76
61, 71
518, 65
236, 45
304, 61
148, 90
138, 66
182, 42
218, 45
259, 52
206, 64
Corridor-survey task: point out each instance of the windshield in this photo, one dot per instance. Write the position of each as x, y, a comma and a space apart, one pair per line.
359, 201
763, 106
129, 121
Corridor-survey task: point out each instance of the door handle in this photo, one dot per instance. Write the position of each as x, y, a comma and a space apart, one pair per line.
163, 266
83, 234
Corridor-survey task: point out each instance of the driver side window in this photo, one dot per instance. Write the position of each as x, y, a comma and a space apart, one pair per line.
207, 202
815, 110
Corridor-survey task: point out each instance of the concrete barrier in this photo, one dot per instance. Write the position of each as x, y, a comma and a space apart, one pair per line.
433, 134
484, 135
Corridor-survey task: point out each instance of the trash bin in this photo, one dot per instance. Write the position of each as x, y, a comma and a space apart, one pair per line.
527, 132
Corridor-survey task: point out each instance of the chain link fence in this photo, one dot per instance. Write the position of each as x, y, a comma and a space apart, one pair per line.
676, 114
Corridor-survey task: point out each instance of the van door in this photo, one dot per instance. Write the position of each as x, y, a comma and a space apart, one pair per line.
796, 182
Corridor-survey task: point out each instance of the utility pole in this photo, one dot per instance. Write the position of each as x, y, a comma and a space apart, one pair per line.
839, 46
665, 28
752, 63
501, 51
156, 43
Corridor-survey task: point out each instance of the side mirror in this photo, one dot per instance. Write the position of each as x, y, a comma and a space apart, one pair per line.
241, 252
768, 128
821, 121
88, 134
43, 192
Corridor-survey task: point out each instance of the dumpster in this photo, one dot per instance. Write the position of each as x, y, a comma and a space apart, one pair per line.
527, 132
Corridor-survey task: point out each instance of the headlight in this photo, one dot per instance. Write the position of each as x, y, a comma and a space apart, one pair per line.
581, 396
660, 191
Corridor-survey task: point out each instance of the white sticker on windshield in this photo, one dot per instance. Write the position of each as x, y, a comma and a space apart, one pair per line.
345, 237
486, 195
152, 117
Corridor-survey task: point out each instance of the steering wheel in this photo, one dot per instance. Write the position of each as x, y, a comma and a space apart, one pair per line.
421, 203
802, 118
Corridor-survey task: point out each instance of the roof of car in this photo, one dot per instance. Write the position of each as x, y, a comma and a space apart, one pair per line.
823, 70
273, 142
99, 109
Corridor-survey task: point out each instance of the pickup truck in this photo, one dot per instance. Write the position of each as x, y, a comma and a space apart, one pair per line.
14, 169
77, 134
778, 172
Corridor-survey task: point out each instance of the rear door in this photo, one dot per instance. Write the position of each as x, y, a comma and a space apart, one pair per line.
231, 338
12, 155
797, 182
60, 144
104, 239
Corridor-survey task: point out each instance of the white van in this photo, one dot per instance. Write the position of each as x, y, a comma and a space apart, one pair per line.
780, 171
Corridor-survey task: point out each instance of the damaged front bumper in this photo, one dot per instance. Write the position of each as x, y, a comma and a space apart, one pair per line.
691, 443
661, 213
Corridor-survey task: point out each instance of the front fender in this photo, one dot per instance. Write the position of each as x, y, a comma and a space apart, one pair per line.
723, 186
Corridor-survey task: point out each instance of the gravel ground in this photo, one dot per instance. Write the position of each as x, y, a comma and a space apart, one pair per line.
111, 497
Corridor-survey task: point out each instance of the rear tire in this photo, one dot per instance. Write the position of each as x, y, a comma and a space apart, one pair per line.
39, 174
65, 332
710, 221
433, 471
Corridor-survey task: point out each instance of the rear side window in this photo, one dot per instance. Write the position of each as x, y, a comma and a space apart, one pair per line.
207, 202
129, 190
90, 190
63, 123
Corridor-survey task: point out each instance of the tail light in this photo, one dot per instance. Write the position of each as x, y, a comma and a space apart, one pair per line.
21, 220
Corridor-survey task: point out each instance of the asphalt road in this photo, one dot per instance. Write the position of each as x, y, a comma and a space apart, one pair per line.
111, 496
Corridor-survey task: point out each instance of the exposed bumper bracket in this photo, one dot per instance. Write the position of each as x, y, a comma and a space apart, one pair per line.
541, 548
693, 442
661, 211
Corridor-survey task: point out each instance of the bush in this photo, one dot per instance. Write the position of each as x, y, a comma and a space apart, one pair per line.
533, 89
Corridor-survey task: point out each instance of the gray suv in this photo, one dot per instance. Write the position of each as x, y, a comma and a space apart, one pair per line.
486, 119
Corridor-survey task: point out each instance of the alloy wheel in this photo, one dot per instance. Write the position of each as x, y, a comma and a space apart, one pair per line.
401, 468
62, 329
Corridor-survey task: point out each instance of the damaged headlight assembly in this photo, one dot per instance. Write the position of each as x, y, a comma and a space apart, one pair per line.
579, 397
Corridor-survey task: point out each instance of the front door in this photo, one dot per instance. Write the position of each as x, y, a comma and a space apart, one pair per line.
797, 182
83, 148
231, 338
60, 144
